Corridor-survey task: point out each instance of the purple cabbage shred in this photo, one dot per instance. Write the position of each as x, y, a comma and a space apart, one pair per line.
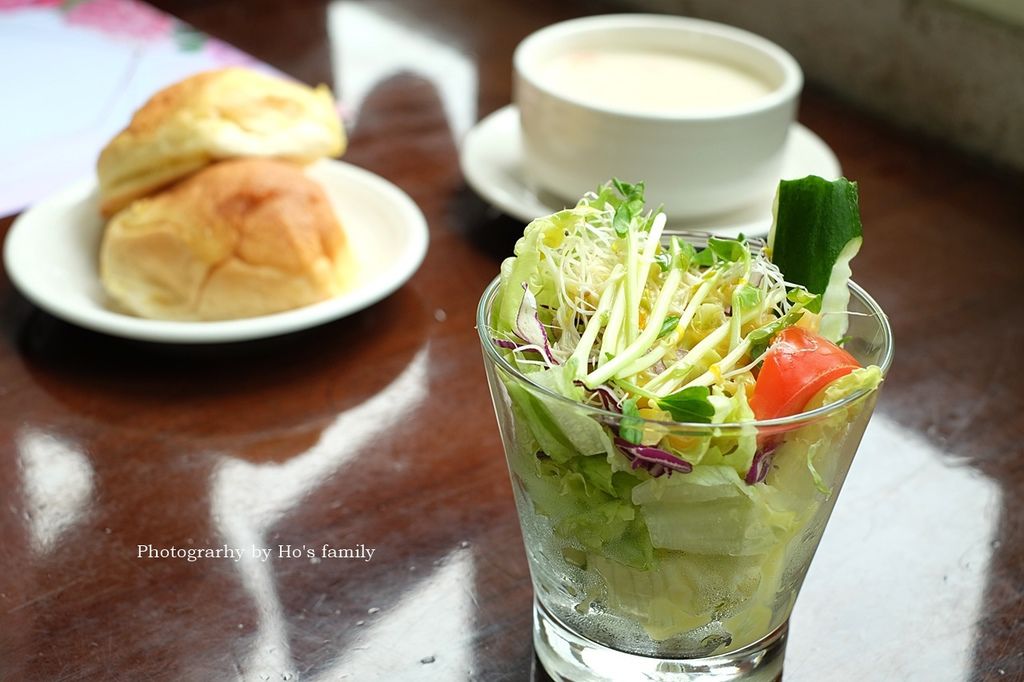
608, 400
529, 327
654, 460
761, 464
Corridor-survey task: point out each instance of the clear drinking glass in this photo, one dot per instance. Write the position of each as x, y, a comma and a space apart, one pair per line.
716, 605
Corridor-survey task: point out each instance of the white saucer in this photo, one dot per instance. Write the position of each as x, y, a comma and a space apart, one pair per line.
492, 165
51, 255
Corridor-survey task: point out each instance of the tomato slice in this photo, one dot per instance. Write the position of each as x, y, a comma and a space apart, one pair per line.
797, 365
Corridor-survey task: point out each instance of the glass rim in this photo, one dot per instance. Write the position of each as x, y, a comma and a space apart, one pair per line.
799, 419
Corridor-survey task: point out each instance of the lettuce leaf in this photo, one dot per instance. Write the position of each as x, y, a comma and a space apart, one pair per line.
736, 447
807, 460
563, 430
679, 592
712, 511
860, 379
522, 267
564, 461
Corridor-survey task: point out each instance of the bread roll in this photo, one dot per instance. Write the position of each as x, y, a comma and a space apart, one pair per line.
238, 239
211, 116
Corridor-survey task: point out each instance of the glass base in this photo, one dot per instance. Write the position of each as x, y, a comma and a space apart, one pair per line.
569, 657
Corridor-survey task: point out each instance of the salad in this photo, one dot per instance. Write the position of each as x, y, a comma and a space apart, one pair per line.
649, 497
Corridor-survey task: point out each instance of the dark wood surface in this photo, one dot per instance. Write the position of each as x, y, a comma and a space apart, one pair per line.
377, 430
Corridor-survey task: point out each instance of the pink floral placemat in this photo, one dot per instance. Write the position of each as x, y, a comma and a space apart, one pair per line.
71, 74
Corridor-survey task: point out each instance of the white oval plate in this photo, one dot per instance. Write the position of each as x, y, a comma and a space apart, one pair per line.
492, 165
51, 255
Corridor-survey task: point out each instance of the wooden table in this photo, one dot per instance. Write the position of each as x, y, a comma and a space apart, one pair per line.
377, 430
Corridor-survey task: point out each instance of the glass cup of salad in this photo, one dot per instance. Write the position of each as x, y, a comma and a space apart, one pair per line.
678, 413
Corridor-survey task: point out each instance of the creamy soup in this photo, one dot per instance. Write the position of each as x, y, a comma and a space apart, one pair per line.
648, 80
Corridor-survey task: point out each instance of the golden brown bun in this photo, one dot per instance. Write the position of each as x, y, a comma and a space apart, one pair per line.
211, 116
240, 238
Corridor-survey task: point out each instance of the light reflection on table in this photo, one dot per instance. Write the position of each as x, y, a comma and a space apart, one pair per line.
911, 526
393, 641
58, 485
248, 499
369, 46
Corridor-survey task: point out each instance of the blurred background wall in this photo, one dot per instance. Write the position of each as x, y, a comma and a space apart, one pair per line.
952, 69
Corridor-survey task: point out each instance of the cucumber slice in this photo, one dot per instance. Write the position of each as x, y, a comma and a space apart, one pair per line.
815, 234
